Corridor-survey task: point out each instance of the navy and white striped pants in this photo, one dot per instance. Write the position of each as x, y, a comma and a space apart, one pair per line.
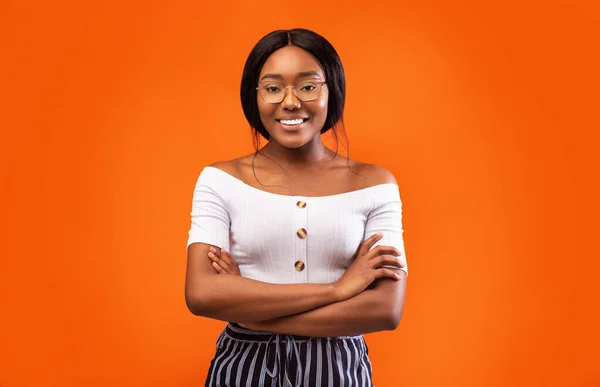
247, 358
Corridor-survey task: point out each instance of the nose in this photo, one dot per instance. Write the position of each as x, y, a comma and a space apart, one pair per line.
290, 101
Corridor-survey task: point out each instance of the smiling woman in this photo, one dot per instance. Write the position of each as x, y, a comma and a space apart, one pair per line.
280, 110
298, 248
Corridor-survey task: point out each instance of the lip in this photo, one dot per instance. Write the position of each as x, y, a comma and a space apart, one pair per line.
291, 118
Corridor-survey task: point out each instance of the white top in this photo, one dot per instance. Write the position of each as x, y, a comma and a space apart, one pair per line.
271, 235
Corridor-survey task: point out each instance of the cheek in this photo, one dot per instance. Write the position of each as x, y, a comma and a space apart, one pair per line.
320, 108
265, 110
322, 101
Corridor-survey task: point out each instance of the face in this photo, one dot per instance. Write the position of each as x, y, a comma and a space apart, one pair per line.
292, 123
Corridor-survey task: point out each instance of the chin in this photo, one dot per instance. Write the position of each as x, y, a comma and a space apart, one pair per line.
292, 140
291, 143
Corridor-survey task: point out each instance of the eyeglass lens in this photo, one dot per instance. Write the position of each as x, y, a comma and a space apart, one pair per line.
274, 92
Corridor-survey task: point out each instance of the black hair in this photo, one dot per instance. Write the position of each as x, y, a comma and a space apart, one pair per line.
327, 57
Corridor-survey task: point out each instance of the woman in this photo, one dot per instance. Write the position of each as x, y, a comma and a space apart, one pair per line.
277, 243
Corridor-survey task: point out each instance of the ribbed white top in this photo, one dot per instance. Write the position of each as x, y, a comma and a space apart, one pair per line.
261, 229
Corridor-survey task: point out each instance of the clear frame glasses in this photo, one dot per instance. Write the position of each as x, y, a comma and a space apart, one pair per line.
275, 92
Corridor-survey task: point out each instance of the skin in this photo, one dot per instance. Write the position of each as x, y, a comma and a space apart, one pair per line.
298, 163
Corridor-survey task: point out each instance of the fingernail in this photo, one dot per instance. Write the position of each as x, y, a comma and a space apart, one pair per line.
211, 255
212, 249
398, 276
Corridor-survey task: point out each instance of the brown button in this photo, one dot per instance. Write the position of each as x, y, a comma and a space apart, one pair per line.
301, 233
299, 265
301, 204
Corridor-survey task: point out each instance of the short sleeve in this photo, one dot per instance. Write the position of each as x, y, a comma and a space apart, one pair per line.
386, 217
210, 218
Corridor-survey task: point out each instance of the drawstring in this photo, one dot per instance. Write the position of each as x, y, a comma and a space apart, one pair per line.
277, 355
291, 349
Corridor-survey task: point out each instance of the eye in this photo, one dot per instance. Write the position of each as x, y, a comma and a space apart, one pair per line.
272, 88
308, 87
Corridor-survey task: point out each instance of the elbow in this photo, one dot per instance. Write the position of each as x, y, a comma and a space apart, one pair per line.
391, 319
193, 305
196, 304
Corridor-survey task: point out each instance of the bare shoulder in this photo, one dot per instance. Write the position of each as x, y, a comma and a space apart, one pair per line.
372, 174
235, 167
228, 166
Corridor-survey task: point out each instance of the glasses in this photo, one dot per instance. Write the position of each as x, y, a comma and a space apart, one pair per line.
275, 92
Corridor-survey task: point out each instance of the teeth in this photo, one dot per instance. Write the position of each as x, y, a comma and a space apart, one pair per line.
292, 122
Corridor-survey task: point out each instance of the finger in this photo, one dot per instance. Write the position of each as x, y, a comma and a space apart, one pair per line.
218, 268
219, 261
227, 261
216, 251
387, 273
368, 243
384, 250
225, 256
387, 260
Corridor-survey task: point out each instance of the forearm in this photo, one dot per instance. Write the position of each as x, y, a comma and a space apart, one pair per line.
372, 310
238, 299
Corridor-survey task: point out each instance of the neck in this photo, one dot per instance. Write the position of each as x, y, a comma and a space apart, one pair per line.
306, 156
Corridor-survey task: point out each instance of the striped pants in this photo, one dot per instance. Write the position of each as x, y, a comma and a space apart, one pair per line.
247, 358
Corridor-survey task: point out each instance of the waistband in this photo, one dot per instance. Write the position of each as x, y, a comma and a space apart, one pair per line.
238, 332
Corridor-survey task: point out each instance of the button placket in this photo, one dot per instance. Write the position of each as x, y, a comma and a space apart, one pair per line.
302, 231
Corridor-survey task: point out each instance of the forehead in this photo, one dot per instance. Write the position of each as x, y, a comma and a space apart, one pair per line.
289, 61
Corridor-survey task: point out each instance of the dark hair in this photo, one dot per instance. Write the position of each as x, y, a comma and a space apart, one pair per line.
325, 54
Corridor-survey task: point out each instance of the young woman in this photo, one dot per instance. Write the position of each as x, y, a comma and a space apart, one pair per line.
298, 248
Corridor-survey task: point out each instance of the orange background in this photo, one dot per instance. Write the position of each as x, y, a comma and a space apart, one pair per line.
486, 114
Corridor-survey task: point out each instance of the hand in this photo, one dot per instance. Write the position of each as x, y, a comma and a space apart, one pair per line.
222, 262
367, 267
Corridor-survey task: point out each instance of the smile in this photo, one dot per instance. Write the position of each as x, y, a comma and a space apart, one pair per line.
297, 121
293, 125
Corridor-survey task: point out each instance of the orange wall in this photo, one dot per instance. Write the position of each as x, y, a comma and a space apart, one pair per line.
486, 114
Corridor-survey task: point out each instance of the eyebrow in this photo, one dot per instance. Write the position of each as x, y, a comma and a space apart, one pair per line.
302, 74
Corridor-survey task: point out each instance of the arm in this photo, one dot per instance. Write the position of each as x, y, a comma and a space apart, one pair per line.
234, 298
376, 309
239, 299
